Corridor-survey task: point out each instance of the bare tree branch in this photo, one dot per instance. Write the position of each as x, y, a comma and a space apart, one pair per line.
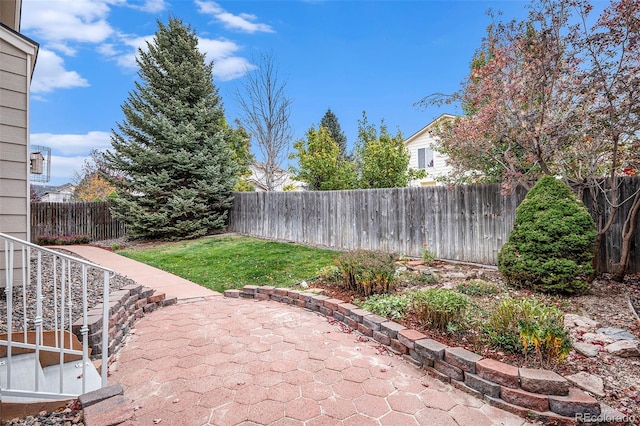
266, 109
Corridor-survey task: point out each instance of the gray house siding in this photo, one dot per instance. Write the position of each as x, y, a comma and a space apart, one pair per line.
17, 56
14, 185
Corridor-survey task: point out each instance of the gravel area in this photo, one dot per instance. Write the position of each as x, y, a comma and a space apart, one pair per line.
70, 415
94, 294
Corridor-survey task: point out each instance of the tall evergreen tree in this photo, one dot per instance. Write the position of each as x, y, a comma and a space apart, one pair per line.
173, 149
330, 122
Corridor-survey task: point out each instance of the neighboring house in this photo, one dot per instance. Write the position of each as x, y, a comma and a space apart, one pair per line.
283, 180
17, 61
54, 194
424, 157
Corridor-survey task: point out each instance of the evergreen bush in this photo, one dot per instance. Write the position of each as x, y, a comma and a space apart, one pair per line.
551, 247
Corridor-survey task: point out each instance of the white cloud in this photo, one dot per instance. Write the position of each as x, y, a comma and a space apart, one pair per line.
150, 6
64, 168
60, 22
73, 144
230, 68
50, 74
125, 54
225, 66
244, 22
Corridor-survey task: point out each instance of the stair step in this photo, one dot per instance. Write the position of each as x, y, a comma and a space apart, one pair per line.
23, 372
72, 378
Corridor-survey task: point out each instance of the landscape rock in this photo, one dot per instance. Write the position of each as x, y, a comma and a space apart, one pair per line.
624, 348
455, 275
597, 337
586, 349
573, 320
588, 382
616, 333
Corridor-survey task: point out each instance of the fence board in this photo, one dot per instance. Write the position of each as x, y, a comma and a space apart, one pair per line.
465, 223
58, 219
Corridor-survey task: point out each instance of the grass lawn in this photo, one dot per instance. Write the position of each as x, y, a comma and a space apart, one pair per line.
221, 263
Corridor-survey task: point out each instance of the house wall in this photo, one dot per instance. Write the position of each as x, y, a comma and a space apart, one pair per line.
440, 167
16, 62
14, 178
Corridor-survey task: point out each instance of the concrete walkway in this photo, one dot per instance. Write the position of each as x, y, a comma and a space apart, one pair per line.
219, 361
161, 281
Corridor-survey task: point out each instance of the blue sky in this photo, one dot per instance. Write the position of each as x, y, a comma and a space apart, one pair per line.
351, 56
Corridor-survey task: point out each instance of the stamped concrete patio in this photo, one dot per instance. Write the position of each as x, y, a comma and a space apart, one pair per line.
210, 360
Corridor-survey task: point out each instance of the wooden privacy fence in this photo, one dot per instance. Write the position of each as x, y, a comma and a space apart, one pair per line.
75, 218
467, 223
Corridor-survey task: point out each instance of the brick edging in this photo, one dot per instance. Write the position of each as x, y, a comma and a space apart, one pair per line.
533, 393
126, 306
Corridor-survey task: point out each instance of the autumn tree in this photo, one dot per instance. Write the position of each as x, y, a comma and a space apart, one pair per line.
610, 99
91, 182
320, 164
382, 159
517, 100
172, 149
266, 109
330, 122
554, 96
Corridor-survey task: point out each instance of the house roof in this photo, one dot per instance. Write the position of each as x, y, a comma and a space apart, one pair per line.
41, 190
21, 42
428, 127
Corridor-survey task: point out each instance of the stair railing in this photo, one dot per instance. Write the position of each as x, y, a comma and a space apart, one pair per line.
26, 323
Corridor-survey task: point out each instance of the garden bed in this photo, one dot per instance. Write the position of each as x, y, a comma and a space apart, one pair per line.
607, 303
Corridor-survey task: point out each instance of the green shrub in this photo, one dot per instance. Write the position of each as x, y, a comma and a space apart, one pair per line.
386, 305
367, 272
428, 278
428, 256
62, 240
529, 326
551, 246
477, 288
441, 309
330, 274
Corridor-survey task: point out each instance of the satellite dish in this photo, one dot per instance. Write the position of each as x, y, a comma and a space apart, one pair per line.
40, 163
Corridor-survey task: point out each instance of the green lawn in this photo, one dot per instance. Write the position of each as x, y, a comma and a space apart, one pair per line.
221, 263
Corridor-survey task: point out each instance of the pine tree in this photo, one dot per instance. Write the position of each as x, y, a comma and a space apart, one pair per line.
172, 151
330, 122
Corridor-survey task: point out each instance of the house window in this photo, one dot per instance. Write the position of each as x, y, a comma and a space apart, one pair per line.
425, 158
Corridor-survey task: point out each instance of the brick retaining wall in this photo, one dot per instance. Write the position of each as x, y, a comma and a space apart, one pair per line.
530, 393
126, 306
